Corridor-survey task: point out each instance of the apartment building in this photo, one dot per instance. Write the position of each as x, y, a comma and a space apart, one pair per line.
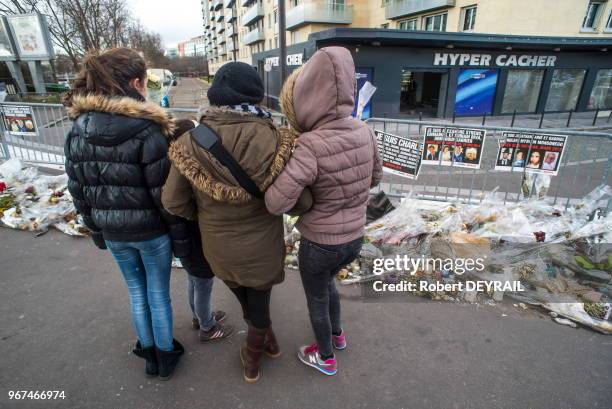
194, 47
237, 29
434, 57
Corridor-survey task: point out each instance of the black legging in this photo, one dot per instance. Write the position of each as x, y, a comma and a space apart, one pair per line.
255, 305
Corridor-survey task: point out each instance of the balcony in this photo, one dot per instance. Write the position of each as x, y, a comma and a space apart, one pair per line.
217, 4
252, 15
230, 31
400, 8
253, 36
212, 17
231, 46
221, 39
220, 15
220, 27
246, 3
325, 13
222, 50
230, 15
228, 3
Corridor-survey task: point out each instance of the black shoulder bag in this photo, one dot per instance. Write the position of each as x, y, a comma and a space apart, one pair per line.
207, 138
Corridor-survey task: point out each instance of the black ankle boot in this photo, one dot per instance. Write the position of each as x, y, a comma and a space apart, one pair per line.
148, 354
168, 360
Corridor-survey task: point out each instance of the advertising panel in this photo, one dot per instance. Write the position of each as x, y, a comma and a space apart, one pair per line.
475, 91
31, 36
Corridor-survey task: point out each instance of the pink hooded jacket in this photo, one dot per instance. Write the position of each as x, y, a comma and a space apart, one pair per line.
336, 156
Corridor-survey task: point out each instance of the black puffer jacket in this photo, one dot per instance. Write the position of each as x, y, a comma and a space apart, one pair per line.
116, 161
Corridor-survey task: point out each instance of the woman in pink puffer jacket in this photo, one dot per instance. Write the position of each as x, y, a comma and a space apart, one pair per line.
337, 158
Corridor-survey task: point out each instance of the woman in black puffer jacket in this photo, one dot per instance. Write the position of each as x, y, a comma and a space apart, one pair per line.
116, 161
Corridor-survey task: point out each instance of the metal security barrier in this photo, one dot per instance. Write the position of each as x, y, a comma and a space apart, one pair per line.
45, 145
585, 165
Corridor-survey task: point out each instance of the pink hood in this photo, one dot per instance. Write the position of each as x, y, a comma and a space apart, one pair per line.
336, 156
325, 88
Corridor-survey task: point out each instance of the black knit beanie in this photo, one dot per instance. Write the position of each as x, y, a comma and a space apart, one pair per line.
236, 83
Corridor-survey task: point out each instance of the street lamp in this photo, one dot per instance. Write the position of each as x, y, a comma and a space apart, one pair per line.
282, 41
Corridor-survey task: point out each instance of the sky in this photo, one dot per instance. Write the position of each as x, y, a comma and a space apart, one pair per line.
174, 20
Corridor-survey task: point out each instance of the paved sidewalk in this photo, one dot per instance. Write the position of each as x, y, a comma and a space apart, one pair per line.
64, 325
189, 93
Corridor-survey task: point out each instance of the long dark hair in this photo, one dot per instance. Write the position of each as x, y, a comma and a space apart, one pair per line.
108, 74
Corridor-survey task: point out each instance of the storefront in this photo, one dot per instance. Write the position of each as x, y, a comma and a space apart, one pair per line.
446, 74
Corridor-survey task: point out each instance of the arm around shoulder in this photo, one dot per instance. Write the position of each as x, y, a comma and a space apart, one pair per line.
300, 171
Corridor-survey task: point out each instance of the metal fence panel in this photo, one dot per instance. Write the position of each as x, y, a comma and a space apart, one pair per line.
585, 165
587, 161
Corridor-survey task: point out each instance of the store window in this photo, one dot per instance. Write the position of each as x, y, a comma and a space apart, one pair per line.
522, 91
592, 15
469, 18
411, 24
565, 89
436, 22
601, 95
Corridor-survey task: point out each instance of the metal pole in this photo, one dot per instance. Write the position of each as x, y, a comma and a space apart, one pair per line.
569, 118
7, 154
282, 42
513, 118
37, 76
541, 120
235, 30
17, 75
596, 115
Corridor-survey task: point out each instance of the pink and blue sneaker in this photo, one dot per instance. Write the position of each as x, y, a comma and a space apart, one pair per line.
309, 355
339, 342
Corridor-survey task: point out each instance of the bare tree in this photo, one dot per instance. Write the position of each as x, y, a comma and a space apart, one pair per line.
78, 26
139, 38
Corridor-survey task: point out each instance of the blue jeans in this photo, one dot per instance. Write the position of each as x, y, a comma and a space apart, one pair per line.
146, 269
199, 291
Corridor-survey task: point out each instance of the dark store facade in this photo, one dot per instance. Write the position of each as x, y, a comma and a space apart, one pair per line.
446, 74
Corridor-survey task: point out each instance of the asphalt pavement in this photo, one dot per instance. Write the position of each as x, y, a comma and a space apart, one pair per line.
189, 93
64, 325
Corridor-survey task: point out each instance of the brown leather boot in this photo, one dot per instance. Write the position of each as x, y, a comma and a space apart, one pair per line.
251, 352
271, 347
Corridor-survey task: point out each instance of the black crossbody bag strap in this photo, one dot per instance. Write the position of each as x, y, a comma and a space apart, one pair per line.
208, 139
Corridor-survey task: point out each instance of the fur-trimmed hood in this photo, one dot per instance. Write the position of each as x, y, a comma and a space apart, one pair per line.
138, 112
260, 148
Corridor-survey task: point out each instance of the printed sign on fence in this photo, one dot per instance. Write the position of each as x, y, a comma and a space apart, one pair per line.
18, 120
532, 152
400, 156
453, 146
